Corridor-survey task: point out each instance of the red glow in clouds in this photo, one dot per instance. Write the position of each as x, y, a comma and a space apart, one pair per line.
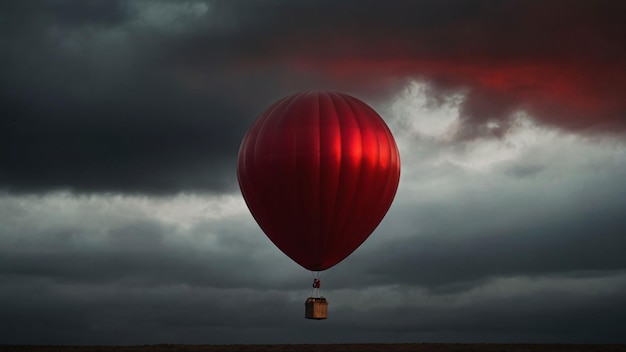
563, 62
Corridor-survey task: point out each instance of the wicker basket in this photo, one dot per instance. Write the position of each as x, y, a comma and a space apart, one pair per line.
316, 308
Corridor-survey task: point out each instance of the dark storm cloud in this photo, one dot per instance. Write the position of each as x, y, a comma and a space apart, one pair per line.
129, 146
140, 281
38, 312
561, 61
462, 256
134, 108
64, 13
549, 314
142, 251
117, 96
88, 105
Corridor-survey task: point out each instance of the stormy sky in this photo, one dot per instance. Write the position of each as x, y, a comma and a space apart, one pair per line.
121, 221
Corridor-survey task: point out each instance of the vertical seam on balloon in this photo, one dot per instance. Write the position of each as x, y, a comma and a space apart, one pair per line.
320, 233
366, 223
280, 107
262, 120
328, 240
283, 108
356, 190
391, 170
264, 116
379, 175
298, 194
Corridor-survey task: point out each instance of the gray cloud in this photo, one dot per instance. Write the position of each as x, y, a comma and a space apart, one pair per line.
464, 255
42, 313
453, 227
105, 246
154, 97
120, 219
88, 105
514, 309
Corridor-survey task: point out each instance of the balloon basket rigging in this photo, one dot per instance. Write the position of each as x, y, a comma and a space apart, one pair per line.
316, 308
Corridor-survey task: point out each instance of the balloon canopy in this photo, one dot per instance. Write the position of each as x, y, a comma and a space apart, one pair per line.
318, 171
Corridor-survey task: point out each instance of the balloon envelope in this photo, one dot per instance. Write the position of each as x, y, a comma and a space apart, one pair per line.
318, 171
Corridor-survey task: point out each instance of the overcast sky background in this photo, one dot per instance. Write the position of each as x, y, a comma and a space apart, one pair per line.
121, 221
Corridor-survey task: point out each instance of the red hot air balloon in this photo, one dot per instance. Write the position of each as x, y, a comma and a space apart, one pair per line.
318, 172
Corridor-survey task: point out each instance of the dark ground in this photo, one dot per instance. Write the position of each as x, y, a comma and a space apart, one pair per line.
410, 347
